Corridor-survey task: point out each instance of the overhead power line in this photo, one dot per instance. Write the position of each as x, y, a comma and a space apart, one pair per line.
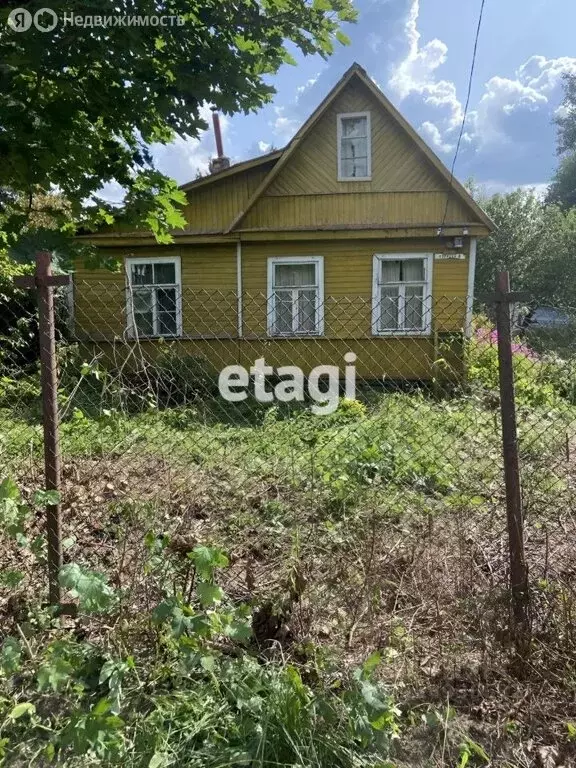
465, 115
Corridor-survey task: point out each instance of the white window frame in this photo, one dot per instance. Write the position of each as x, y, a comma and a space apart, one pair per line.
318, 261
129, 261
343, 116
427, 299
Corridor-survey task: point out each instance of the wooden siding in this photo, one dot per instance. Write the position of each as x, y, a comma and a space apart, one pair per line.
377, 359
209, 305
213, 207
405, 188
209, 298
348, 283
397, 164
357, 208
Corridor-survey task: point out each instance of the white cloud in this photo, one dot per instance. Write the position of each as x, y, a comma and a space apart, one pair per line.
519, 110
539, 189
374, 41
111, 192
499, 187
416, 72
443, 94
182, 159
308, 84
509, 134
432, 135
501, 99
544, 74
284, 127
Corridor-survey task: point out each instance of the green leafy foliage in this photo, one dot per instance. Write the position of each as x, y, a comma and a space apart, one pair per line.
10, 656
17, 326
535, 242
562, 190
113, 673
206, 613
471, 751
13, 512
91, 589
19, 343
191, 694
207, 560
75, 127
45, 498
540, 379
55, 674
566, 118
97, 731
22, 709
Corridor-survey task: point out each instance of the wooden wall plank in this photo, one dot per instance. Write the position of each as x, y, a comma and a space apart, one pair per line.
357, 208
212, 207
397, 164
210, 303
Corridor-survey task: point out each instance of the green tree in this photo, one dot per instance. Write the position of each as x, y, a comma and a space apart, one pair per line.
566, 119
563, 186
535, 242
552, 274
518, 217
81, 105
562, 190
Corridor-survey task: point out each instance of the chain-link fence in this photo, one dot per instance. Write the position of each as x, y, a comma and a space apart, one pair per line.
362, 505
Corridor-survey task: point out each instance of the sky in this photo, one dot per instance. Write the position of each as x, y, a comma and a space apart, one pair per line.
419, 52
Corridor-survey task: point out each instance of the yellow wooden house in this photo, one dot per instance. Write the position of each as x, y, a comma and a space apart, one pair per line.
353, 238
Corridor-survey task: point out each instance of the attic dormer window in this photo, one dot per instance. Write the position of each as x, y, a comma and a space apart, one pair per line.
354, 147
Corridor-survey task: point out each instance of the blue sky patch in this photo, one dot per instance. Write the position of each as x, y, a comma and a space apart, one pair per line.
419, 53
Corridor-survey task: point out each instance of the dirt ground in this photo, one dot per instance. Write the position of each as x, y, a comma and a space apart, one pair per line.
430, 591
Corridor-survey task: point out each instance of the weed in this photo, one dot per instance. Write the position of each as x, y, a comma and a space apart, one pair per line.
189, 693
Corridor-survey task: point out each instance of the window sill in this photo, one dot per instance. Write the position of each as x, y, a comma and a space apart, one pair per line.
354, 178
405, 334
170, 337
311, 335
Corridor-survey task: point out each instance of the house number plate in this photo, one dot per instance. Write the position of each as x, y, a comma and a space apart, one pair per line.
449, 256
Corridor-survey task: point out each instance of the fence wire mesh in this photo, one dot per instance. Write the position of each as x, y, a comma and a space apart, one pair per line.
381, 523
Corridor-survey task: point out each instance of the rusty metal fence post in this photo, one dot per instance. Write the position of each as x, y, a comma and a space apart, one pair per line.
44, 282
515, 520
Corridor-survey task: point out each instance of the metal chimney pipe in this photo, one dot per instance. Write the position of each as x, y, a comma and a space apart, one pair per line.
217, 133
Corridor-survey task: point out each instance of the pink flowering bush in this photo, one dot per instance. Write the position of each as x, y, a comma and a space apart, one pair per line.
534, 380
487, 335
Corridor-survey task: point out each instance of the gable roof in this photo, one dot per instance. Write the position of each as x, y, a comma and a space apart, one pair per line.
356, 71
249, 185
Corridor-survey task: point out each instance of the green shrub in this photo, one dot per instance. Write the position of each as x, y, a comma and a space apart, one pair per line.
19, 343
180, 379
539, 380
170, 381
18, 340
221, 711
21, 392
181, 686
